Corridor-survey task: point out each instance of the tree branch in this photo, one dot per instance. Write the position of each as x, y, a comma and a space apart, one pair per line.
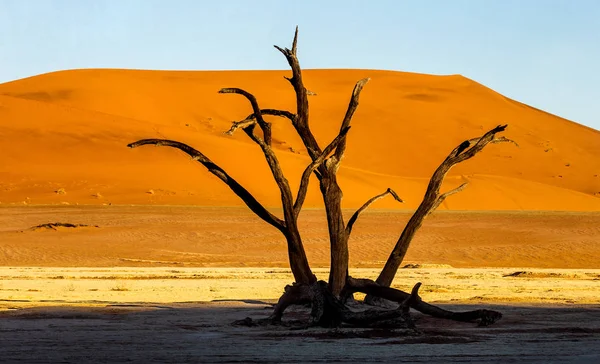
352, 106
303, 189
281, 113
301, 124
477, 147
295, 42
469, 144
266, 127
367, 204
371, 288
251, 119
503, 139
286, 195
443, 196
296, 253
282, 182
433, 199
240, 124
240, 191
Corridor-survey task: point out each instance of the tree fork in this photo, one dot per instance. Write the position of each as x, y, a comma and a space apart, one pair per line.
332, 193
332, 197
296, 253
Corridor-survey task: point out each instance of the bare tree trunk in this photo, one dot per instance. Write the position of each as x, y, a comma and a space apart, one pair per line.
297, 256
329, 311
338, 237
331, 191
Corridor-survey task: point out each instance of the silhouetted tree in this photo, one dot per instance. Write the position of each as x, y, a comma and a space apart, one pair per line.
328, 299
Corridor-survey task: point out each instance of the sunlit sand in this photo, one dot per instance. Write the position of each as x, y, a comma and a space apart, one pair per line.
155, 256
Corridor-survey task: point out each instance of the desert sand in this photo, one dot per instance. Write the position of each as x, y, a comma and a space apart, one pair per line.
165, 283
64, 136
74, 287
162, 258
188, 236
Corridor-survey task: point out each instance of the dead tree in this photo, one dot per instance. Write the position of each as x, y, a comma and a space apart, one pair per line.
328, 299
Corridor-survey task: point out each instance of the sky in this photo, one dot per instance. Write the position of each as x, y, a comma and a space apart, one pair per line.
545, 53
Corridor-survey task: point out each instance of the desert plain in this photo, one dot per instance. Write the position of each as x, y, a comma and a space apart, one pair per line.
163, 257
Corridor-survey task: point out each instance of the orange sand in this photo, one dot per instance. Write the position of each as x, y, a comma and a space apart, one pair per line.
62, 141
68, 130
190, 236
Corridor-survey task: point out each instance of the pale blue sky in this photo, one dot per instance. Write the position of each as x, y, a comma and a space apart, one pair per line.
545, 53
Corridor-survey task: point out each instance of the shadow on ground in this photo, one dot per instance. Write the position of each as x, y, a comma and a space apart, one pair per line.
202, 332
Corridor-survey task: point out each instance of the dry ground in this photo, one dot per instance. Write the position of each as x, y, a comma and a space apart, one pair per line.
201, 333
184, 315
27, 286
163, 284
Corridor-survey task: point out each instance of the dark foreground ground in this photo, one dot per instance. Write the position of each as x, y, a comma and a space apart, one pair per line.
202, 333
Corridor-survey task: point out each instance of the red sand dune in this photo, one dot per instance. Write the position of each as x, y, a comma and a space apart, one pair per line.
68, 130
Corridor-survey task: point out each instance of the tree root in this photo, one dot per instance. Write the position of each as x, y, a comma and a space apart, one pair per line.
295, 294
330, 312
370, 287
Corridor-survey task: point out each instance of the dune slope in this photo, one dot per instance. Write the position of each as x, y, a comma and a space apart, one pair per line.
64, 134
